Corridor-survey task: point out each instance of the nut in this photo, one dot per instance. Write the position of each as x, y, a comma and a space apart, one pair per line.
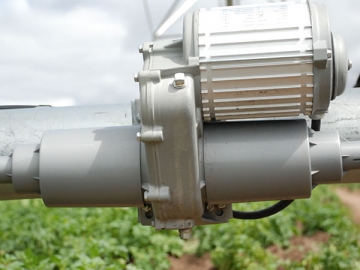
136, 77
185, 234
147, 208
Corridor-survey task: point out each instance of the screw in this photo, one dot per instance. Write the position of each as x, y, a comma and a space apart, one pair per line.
349, 64
221, 205
141, 49
210, 207
147, 208
185, 234
179, 80
136, 77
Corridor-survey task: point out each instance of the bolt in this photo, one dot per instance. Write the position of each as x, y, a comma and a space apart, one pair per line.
221, 205
136, 77
141, 49
210, 207
219, 212
349, 64
185, 234
146, 196
329, 54
179, 80
147, 208
138, 136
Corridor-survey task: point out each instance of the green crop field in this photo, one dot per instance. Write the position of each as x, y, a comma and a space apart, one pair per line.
35, 237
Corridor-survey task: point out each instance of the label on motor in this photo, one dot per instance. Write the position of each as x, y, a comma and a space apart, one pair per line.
254, 17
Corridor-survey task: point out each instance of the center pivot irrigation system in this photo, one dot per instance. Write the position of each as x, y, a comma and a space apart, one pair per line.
222, 118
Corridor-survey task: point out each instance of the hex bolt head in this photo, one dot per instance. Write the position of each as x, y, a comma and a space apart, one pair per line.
350, 64
185, 234
147, 208
179, 80
210, 207
136, 77
221, 205
141, 49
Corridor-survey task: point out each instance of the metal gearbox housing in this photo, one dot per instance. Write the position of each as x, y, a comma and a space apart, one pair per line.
170, 133
233, 64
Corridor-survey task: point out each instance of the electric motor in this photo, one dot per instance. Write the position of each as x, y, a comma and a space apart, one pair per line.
270, 60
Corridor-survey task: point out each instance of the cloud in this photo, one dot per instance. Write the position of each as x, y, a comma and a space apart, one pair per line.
85, 51
73, 55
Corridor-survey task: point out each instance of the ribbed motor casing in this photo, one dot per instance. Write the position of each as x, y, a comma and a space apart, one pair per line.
256, 61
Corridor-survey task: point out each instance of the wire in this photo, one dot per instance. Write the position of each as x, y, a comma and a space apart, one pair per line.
267, 212
279, 206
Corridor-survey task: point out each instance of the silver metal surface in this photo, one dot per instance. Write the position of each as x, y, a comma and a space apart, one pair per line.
326, 158
26, 126
170, 136
5, 170
92, 167
257, 160
256, 61
344, 115
25, 169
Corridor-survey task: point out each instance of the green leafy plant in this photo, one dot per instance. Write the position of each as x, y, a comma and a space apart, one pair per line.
35, 237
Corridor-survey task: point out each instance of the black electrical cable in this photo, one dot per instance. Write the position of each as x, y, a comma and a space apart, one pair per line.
267, 212
277, 207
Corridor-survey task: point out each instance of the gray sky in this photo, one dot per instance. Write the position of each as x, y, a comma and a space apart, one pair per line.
80, 52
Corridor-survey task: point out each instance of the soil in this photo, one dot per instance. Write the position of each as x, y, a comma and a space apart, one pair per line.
299, 247
191, 262
352, 200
